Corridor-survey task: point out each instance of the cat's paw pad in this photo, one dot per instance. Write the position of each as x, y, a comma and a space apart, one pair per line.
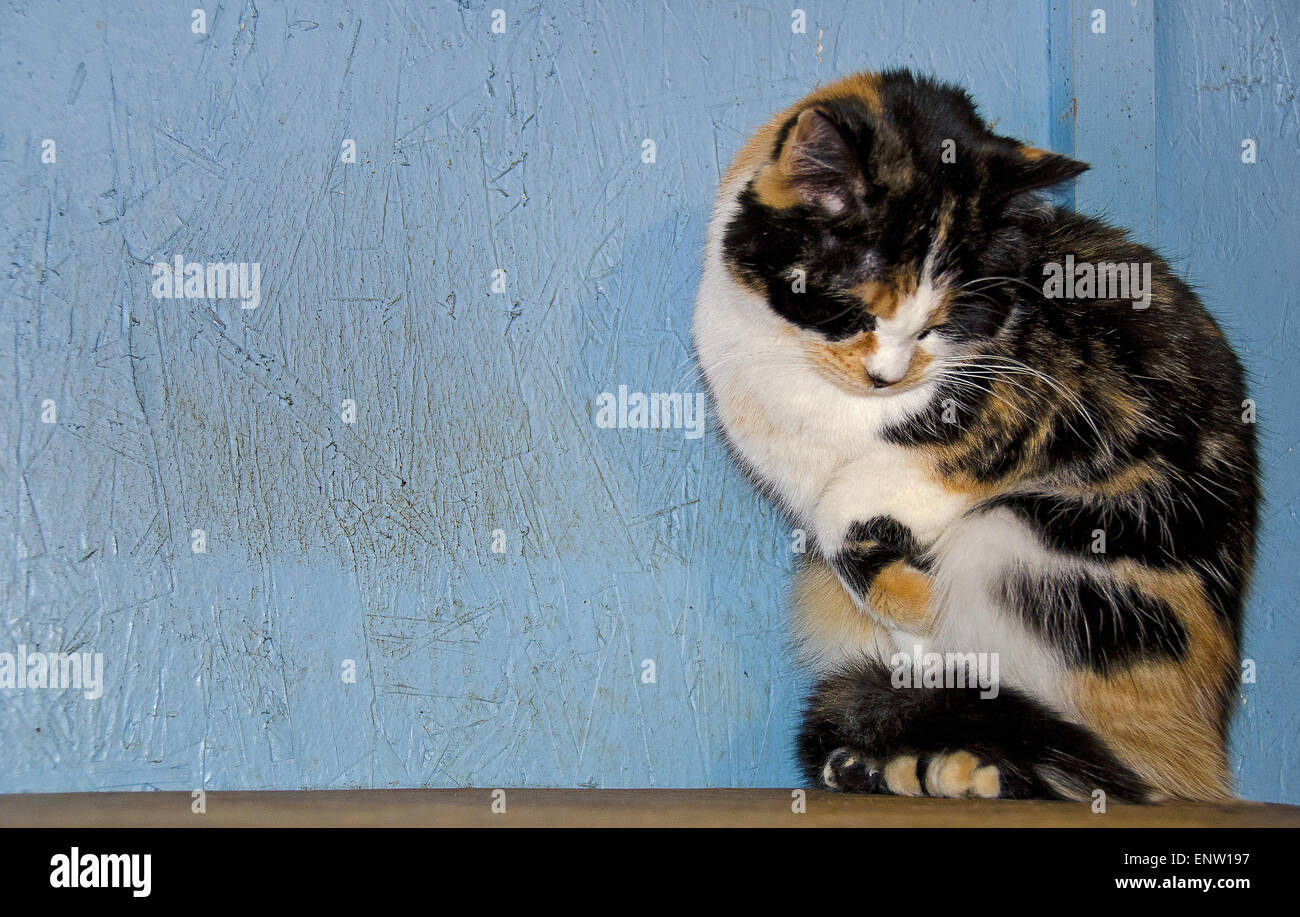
960, 775
847, 770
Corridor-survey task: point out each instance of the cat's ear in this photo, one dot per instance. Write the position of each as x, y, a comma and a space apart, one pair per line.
1017, 168
820, 165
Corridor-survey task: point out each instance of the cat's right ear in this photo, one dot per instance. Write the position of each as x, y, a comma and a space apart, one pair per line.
1017, 168
820, 165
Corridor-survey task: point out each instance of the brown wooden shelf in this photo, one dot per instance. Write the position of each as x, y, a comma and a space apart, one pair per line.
579, 808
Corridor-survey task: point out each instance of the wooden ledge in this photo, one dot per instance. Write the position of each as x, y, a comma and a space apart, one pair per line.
603, 808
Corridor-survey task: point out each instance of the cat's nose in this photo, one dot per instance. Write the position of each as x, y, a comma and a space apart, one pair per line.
887, 365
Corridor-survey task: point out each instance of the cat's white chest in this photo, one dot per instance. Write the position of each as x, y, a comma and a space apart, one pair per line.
839, 477
819, 450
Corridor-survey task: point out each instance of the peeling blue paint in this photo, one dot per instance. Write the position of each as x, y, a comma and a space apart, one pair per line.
372, 542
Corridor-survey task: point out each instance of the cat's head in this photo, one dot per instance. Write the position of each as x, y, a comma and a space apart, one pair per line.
870, 216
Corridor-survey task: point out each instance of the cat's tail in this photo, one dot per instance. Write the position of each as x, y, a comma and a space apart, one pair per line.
862, 733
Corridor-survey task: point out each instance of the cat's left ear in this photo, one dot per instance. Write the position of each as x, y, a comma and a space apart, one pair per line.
820, 165
1017, 168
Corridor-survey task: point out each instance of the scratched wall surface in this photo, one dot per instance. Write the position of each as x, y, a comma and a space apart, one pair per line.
1228, 73
372, 541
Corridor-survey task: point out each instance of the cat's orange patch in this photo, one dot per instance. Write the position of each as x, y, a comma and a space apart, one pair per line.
1124, 410
1161, 718
1135, 480
773, 189
943, 231
915, 369
865, 87
825, 614
1148, 716
900, 593
882, 298
761, 147
941, 459
843, 362
1013, 409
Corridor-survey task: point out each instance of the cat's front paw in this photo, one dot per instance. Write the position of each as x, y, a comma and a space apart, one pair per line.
950, 774
848, 770
884, 571
867, 549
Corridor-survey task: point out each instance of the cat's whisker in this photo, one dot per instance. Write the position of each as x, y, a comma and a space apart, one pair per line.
959, 382
967, 303
994, 280
1015, 366
1004, 374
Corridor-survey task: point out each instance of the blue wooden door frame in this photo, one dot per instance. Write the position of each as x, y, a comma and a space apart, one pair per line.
1103, 107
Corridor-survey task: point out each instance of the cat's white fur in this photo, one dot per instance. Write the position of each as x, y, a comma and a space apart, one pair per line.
818, 450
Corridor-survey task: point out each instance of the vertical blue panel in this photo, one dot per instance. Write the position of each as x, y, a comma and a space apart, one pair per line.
1112, 97
1062, 106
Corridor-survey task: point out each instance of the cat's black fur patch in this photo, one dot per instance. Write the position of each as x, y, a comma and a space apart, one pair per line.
1094, 624
767, 247
1141, 532
868, 548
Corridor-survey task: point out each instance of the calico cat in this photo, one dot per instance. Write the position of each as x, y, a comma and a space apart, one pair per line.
984, 466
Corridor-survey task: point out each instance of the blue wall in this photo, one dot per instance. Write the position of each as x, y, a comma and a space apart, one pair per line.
372, 541
1227, 73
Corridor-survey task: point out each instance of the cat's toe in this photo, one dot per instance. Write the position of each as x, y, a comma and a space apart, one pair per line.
950, 774
849, 771
960, 775
900, 776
